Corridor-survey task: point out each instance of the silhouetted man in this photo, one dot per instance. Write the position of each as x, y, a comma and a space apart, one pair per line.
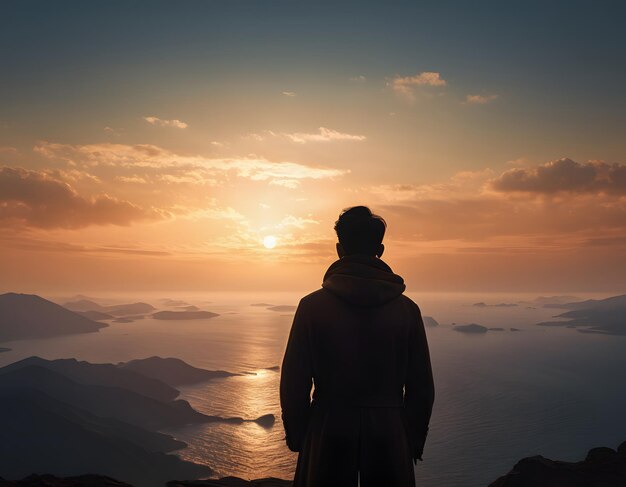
362, 343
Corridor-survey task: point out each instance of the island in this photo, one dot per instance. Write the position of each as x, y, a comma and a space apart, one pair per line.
472, 328
183, 315
282, 308
97, 418
172, 371
27, 316
604, 316
95, 315
429, 321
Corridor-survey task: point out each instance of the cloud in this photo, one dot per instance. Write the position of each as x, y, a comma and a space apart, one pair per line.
20, 242
359, 79
290, 94
160, 164
587, 200
112, 131
166, 123
323, 135
297, 222
35, 199
564, 176
480, 99
405, 85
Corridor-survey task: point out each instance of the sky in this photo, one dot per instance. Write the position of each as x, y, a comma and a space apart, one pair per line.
152, 146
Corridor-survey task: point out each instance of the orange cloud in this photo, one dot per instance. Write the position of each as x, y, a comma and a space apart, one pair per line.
35, 199
405, 85
155, 163
480, 99
323, 135
166, 123
586, 202
564, 175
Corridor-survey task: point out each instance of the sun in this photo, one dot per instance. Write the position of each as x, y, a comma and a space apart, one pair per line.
269, 242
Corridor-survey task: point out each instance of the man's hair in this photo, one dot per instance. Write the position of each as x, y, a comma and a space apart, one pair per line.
360, 231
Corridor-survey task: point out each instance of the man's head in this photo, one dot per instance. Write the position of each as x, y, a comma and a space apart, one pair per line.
360, 232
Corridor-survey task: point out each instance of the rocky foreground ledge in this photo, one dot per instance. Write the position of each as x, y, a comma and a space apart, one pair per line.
603, 467
103, 481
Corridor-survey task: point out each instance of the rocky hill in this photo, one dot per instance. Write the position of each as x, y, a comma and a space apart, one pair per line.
25, 316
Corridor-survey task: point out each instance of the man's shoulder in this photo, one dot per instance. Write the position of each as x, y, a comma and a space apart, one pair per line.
315, 297
408, 302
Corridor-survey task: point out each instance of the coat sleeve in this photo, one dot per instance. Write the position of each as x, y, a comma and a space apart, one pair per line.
419, 389
296, 381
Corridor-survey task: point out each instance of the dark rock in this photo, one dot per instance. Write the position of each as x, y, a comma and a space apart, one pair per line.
603, 467
266, 421
52, 481
599, 454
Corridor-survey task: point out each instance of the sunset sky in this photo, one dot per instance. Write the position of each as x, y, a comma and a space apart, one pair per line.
151, 146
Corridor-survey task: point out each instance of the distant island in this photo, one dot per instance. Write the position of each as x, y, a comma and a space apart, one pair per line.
95, 315
4, 349
27, 316
172, 371
471, 328
188, 308
282, 308
183, 315
499, 305
102, 418
115, 310
604, 316
429, 321
173, 302
262, 305
550, 301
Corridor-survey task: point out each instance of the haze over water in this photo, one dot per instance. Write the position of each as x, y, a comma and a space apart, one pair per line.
500, 396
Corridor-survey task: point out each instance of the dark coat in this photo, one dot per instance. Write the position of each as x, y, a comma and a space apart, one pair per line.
362, 343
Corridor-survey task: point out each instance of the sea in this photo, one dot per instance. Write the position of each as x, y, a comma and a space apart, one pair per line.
500, 396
